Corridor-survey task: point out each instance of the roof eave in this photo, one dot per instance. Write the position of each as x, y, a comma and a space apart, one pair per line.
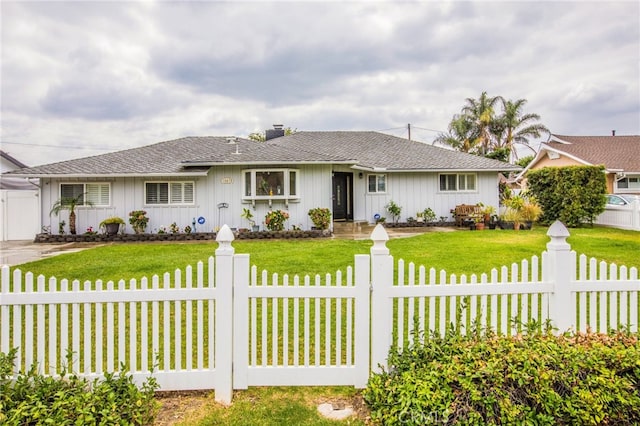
259, 163
105, 175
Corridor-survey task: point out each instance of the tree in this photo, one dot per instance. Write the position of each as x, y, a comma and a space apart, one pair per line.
481, 113
70, 203
460, 136
516, 127
262, 136
484, 130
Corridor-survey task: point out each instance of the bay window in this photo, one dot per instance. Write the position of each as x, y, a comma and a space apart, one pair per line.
265, 184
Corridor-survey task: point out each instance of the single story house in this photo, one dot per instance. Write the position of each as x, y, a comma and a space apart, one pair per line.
620, 155
207, 181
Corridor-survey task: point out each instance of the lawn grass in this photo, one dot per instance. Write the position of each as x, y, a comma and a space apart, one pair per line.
456, 252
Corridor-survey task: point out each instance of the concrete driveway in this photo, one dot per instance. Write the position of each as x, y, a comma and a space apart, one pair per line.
18, 252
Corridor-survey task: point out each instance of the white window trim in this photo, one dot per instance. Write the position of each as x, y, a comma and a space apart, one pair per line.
169, 203
286, 193
84, 191
377, 175
457, 175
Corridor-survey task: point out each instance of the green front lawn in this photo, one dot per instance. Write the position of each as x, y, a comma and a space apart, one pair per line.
456, 252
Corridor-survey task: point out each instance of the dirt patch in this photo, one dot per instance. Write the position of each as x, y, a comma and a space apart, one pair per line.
192, 406
176, 407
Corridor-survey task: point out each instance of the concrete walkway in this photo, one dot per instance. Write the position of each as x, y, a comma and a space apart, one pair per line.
19, 252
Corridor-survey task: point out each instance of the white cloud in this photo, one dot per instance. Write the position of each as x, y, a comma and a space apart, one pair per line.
112, 75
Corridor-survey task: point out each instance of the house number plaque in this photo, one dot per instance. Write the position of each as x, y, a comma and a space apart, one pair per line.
226, 180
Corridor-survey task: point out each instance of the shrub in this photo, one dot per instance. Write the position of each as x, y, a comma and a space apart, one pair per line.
573, 195
321, 217
68, 399
275, 219
138, 220
524, 379
394, 210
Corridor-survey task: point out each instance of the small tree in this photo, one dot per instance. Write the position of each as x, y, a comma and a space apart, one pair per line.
394, 210
70, 203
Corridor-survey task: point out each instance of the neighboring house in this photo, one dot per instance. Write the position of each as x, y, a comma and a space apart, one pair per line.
620, 155
19, 204
355, 174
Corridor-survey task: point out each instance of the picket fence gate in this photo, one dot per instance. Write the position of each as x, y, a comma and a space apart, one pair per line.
228, 326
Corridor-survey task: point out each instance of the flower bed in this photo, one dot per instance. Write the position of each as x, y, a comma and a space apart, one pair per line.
89, 238
416, 224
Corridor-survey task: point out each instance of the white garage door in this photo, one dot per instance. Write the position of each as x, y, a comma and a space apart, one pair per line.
19, 218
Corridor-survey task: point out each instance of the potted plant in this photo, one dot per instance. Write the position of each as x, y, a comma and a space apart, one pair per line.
246, 214
111, 225
530, 212
487, 212
321, 217
138, 220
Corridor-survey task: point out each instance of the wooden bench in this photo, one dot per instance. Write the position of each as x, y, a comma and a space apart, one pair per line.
466, 212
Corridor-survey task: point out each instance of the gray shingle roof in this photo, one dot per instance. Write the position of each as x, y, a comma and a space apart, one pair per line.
194, 155
378, 150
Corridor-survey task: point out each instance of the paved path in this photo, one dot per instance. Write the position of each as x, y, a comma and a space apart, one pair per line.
18, 252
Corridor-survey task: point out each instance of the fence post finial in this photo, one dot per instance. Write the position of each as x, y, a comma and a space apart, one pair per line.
379, 237
558, 234
224, 237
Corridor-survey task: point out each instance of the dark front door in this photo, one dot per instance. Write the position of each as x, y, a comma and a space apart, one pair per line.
342, 196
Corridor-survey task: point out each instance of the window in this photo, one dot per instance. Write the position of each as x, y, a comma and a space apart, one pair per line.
377, 184
96, 194
270, 183
629, 183
458, 182
169, 193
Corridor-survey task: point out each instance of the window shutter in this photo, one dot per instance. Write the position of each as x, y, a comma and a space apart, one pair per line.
176, 193
98, 194
188, 192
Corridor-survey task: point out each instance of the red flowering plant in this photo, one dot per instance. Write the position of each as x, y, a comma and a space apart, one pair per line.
274, 220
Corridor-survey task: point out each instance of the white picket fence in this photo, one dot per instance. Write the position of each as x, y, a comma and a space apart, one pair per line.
623, 217
228, 325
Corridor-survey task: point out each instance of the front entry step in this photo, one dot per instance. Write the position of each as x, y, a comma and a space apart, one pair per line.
354, 227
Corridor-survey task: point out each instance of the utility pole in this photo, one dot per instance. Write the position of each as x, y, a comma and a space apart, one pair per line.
409, 131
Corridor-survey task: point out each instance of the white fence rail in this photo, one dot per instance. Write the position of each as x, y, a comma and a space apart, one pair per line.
623, 217
228, 326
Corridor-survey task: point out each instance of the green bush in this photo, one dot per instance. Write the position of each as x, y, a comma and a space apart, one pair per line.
573, 195
538, 379
34, 399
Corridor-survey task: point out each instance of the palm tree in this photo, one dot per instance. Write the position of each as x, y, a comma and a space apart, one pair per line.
70, 203
482, 113
460, 136
514, 127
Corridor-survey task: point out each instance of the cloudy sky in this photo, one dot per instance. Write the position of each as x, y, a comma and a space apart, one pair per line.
85, 78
